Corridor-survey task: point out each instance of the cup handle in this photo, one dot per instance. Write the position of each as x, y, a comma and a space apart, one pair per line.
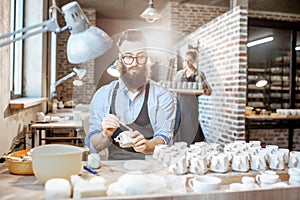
276, 163
258, 164
294, 161
191, 184
239, 164
257, 178
217, 165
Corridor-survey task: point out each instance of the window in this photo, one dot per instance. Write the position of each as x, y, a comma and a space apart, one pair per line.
16, 60
271, 57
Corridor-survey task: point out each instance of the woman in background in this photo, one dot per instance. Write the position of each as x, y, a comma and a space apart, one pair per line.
190, 130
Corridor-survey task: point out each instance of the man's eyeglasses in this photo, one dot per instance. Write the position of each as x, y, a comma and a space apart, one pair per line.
140, 59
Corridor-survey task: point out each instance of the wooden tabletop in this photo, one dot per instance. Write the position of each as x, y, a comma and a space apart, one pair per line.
27, 187
57, 125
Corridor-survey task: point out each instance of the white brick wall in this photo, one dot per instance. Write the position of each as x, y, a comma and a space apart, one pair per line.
223, 60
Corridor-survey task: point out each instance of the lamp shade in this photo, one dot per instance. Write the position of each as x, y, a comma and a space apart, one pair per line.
112, 69
85, 42
150, 14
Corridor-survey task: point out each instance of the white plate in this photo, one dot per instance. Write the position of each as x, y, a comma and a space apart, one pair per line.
137, 165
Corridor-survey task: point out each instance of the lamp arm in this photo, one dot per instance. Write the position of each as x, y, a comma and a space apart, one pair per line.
64, 78
49, 25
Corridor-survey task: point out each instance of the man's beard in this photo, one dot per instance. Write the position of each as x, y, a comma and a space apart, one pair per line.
136, 80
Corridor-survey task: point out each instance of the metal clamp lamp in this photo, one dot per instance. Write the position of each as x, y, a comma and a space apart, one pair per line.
76, 72
85, 42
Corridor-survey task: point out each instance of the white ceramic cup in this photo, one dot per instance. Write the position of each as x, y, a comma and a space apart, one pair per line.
125, 139
157, 150
258, 162
93, 160
191, 153
161, 154
179, 166
202, 144
181, 145
248, 182
240, 162
77, 115
255, 143
295, 178
219, 163
168, 156
294, 172
198, 165
204, 183
267, 179
271, 148
214, 147
286, 154
195, 86
200, 86
294, 160
276, 161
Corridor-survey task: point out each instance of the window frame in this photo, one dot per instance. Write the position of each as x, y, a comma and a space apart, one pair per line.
16, 50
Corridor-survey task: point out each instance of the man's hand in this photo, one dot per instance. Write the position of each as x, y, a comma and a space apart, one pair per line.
110, 124
139, 141
142, 145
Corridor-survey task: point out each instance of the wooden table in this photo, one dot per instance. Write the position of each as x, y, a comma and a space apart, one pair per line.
273, 122
27, 187
66, 123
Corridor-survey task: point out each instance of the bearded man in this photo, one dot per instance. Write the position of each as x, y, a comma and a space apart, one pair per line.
134, 100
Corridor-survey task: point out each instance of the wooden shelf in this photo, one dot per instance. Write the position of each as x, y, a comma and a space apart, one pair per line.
256, 70
25, 102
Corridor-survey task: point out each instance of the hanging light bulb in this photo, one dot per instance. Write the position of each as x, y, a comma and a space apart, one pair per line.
150, 14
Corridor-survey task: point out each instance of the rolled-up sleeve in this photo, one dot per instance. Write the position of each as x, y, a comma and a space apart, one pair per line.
162, 112
99, 108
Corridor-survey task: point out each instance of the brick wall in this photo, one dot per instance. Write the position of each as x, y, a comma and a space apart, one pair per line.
66, 91
187, 17
223, 59
226, 125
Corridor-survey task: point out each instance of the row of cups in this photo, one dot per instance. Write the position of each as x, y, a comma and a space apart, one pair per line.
239, 156
293, 112
182, 85
264, 179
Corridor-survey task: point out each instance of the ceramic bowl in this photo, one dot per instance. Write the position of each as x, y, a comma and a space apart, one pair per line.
56, 161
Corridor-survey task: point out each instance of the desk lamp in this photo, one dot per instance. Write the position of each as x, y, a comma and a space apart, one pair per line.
78, 72
85, 42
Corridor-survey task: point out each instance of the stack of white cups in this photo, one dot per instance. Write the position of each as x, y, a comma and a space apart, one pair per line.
294, 176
